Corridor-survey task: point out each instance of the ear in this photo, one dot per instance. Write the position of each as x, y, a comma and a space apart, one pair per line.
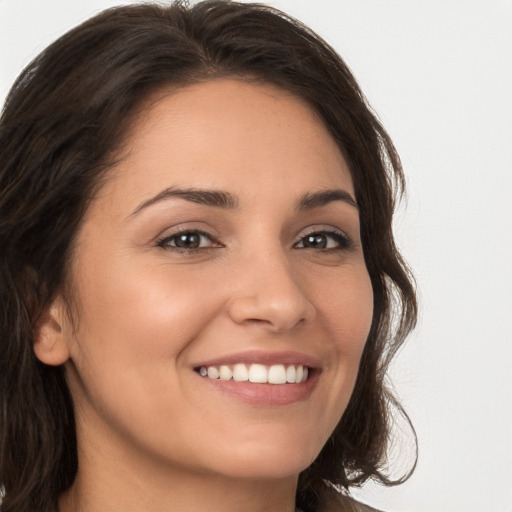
50, 336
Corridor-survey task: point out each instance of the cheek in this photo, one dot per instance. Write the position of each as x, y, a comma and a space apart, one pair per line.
135, 326
133, 333
347, 310
144, 311
346, 314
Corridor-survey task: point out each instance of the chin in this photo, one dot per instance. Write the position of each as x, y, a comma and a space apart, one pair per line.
270, 461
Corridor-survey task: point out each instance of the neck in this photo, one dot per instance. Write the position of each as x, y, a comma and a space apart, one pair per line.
206, 494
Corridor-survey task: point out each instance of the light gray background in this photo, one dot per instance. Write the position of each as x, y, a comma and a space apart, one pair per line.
439, 74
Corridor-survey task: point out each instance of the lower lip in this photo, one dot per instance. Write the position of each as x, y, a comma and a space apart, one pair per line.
265, 394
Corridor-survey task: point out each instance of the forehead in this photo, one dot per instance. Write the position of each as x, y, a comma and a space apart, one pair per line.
228, 134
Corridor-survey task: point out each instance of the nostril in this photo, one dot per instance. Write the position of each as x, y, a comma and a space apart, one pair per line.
272, 309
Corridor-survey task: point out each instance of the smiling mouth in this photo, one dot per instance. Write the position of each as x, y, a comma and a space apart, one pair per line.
277, 374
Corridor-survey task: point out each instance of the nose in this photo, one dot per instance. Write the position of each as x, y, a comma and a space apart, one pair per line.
268, 294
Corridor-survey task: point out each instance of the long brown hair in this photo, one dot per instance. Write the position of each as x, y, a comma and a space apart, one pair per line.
63, 120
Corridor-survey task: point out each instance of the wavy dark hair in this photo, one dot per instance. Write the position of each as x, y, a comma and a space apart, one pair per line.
63, 120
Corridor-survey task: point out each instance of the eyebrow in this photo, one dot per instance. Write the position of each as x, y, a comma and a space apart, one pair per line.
215, 198
225, 200
316, 199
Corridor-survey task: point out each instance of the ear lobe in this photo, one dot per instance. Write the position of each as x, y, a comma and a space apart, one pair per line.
50, 343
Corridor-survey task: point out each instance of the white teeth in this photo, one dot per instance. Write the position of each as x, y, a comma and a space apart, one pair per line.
299, 373
277, 374
240, 373
213, 373
257, 373
290, 374
225, 373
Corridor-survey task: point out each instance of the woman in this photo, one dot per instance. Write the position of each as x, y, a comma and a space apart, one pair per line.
198, 269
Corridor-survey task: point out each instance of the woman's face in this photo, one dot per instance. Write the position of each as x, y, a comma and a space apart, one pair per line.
226, 242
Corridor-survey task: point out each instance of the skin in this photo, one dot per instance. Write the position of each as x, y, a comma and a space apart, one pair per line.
153, 435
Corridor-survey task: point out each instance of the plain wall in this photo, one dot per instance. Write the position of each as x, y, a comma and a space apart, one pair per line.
439, 74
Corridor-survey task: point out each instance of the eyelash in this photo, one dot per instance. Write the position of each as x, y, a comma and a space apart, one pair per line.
343, 241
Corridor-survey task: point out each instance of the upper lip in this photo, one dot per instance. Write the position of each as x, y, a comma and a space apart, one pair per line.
268, 358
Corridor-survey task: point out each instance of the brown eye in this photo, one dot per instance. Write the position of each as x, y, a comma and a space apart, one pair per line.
187, 241
317, 241
324, 240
